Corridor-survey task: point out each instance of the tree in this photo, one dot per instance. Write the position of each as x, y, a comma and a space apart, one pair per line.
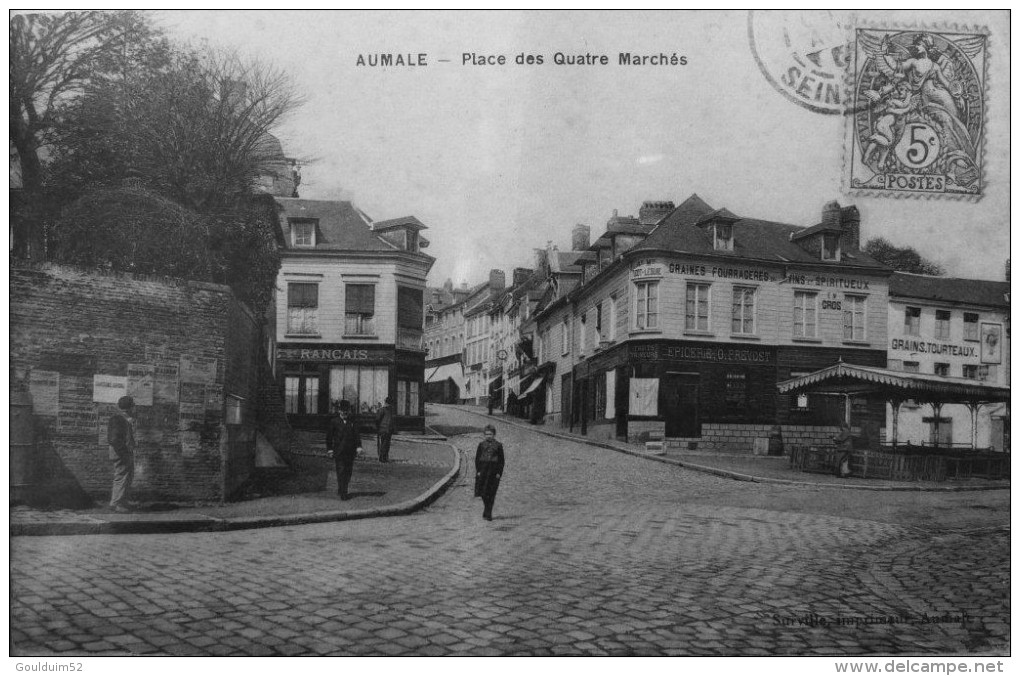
52, 58
901, 259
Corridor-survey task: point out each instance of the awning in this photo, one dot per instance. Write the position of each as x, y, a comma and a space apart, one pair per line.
437, 374
852, 379
496, 384
531, 388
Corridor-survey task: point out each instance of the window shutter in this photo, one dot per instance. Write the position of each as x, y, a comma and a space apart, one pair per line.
409, 307
302, 295
360, 299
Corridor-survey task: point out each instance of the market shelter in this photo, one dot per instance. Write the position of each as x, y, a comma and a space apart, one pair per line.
897, 387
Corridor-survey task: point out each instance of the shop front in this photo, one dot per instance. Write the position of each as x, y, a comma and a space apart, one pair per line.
316, 375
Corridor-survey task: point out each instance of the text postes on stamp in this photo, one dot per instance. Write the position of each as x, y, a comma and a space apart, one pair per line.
917, 126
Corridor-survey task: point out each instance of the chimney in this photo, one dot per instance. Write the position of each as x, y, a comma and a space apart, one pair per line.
580, 238
830, 213
653, 212
448, 285
497, 280
521, 275
850, 220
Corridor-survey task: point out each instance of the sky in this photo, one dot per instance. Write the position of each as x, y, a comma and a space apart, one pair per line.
497, 160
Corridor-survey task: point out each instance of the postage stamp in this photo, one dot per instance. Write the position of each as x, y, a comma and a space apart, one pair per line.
917, 122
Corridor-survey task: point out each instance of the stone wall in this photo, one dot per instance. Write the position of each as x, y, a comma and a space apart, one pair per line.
186, 351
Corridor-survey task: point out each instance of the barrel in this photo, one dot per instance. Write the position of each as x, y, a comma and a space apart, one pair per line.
22, 440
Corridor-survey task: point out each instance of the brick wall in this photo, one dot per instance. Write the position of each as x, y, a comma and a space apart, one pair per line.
183, 349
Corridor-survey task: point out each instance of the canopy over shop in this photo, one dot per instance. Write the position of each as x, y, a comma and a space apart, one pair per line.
896, 387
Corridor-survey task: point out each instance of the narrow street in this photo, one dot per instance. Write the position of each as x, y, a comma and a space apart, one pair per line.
591, 552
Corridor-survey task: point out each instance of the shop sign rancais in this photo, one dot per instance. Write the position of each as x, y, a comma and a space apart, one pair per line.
334, 353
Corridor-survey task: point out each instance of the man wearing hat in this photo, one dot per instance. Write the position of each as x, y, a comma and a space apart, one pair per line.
120, 434
384, 427
343, 444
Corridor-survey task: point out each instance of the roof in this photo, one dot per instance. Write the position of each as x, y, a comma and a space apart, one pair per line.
341, 226
403, 221
950, 289
718, 215
563, 261
846, 378
437, 374
815, 229
752, 238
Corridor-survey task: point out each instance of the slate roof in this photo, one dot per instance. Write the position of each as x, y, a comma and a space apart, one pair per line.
408, 221
752, 238
341, 225
950, 289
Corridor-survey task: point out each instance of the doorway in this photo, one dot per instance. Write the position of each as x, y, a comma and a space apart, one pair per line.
680, 404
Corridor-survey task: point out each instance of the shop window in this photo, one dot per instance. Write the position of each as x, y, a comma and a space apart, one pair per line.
941, 369
743, 309
970, 371
696, 313
853, 317
359, 309
599, 393
301, 395
912, 321
970, 326
407, 397
646, 315
365, 387
912, 366
942, 318
302, 233
736, 391
303, 308
805, 314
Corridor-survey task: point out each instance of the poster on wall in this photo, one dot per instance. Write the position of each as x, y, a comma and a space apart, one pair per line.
44, 387
140, 381
164, 382
991, 343
197, 369
108, 389
644, 396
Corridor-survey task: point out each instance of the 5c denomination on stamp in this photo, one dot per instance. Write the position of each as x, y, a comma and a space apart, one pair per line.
918, 116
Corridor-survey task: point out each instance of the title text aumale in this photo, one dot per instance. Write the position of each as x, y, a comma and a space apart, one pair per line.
421, 59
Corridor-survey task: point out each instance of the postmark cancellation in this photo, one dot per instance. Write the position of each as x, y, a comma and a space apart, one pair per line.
917, 122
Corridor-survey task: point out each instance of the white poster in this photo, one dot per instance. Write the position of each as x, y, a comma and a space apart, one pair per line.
44, 387
108, 389
644, 396
140, 379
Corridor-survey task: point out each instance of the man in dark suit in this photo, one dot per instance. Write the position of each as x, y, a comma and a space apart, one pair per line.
343, 444
120, 434
384, 427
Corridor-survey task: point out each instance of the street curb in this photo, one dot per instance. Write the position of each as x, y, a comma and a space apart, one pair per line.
202, 524
730, 474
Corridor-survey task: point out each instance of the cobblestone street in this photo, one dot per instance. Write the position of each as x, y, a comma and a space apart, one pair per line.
591, 553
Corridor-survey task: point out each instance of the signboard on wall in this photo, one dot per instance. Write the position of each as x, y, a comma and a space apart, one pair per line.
45, 389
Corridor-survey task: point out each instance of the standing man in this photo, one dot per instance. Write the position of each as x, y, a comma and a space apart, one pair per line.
343, 444
120, 433
489, 462
384, 427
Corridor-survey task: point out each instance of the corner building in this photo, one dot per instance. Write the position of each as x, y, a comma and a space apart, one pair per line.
682, 331
349, 313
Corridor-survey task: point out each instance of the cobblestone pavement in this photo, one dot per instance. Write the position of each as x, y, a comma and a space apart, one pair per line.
591, 553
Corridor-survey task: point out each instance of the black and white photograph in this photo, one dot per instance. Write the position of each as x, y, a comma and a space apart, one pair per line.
516, 333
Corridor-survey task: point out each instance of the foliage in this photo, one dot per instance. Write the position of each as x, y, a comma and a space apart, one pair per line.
902, 259
141, 155
139, 231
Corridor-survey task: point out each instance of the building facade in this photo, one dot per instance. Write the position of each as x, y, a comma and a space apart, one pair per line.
687, 319
350, 313
958, 329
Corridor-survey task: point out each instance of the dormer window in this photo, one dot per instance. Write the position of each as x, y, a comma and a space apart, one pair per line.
830, 246
302, 233
723, 237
